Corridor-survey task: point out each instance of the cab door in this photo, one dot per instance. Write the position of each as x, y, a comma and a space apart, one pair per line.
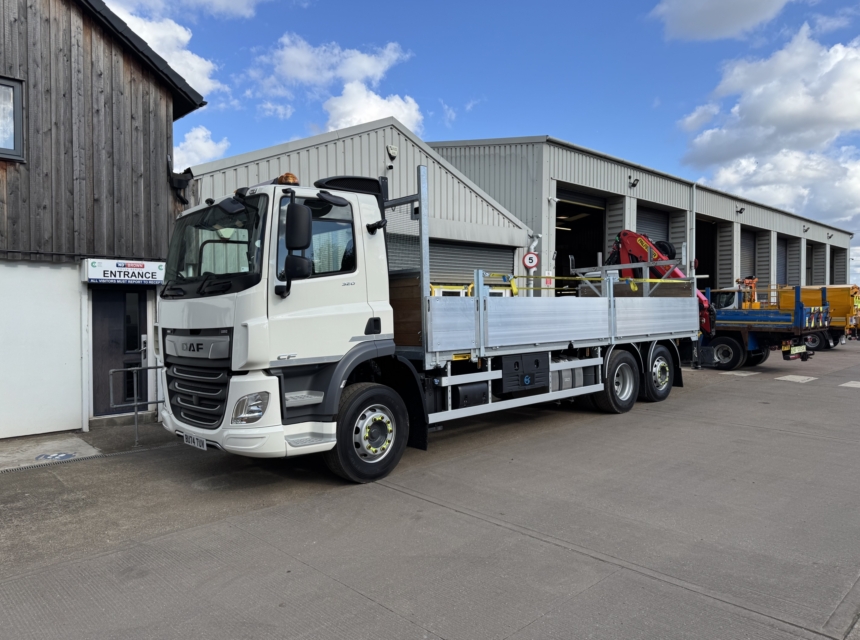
325, 315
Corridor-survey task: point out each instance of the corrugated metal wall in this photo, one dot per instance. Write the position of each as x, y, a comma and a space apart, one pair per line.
839, 257
614, 221
748, 253
678, 230
456, 263
795, 265
781, 261
359, 151
510, 173
580, 168
819, 264
762, 257
725, 255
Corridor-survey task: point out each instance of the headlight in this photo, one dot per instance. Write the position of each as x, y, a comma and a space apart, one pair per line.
250, 408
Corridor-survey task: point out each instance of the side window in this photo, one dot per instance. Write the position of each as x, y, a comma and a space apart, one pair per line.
11, 119
332, 249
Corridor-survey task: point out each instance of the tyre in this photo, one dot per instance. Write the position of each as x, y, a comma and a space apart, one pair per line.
666, 248
817, 341
659, 376
372, 430
729, 353
622, 384
755, 358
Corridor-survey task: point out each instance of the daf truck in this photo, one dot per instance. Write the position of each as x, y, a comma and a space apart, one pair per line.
298, 319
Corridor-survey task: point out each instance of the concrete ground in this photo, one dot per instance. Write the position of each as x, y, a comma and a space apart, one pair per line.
730, 511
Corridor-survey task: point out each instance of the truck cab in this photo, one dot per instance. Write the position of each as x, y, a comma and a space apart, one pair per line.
232, 318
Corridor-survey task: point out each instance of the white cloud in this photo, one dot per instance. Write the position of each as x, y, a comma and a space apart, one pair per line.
223, 8
280, 111
472, 104
198, 147
358, 104
170, 40
700, 116
803, 97
787, 136
295, 61
448, 114
714, 19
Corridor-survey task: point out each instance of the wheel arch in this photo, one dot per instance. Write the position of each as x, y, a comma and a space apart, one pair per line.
625, 346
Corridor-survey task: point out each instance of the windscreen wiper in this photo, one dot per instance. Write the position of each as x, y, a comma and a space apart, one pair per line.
170, 291
210, 287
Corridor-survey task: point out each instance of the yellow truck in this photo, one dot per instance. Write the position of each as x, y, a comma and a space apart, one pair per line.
844, 300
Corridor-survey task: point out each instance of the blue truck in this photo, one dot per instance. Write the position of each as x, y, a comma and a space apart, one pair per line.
751, 323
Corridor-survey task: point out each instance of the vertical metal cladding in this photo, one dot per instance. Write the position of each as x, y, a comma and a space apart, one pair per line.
819, 264
796, 248
725, 255
357, 152
763, 251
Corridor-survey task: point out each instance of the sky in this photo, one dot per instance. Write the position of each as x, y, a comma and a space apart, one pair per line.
756, 97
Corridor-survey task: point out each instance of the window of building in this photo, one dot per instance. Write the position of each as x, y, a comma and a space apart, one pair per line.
11, 120
332, 249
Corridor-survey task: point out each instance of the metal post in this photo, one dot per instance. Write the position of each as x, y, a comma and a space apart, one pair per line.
424, 244
480, 297
136, 408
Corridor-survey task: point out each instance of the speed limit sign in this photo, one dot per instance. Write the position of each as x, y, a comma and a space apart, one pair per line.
530, 260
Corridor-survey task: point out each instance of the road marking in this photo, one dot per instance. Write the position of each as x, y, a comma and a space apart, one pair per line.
800, 379
853, 384
742, 374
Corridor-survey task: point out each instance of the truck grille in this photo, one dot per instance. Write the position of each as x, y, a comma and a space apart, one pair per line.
198, 396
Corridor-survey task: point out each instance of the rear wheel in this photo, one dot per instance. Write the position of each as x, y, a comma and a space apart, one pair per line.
817, 341
755, 358
372, 430
659, 376
729, 353
621, 386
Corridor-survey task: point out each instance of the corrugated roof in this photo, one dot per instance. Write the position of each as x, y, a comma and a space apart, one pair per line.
185, 98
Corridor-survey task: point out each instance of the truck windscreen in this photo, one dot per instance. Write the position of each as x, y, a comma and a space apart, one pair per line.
216, 251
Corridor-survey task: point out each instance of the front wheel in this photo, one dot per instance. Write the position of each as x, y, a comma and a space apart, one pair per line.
372, 430
621, 386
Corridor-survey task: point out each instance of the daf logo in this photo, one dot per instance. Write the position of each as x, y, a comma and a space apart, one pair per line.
192, 346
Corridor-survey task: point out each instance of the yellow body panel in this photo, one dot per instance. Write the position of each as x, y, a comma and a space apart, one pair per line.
843, 300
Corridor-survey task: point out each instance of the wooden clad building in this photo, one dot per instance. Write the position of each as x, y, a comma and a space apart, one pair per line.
86, 138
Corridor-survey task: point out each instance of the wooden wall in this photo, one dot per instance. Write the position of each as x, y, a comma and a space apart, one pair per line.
98, 128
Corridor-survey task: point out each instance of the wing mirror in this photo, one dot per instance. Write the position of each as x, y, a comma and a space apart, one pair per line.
298, 228
298, 233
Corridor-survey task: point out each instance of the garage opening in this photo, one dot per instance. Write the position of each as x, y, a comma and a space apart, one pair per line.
706, 253
579, 230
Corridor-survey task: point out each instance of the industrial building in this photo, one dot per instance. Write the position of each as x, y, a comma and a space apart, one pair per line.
578, 200
492, 197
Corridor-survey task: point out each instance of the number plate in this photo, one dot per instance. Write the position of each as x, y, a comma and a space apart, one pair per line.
194, 441
800, 349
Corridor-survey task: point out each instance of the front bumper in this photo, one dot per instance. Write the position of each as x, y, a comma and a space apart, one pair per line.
267, 438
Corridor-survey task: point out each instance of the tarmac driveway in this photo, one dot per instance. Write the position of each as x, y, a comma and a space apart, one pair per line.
729, 511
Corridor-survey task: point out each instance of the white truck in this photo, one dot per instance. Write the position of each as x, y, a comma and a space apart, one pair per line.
299, 319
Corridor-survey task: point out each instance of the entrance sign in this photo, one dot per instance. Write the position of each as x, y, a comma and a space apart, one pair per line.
530, 260
124, 272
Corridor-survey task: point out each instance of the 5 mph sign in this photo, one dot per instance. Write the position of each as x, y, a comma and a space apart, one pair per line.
531, 260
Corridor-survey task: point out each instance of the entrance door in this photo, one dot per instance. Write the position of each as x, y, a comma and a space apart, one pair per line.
119, 323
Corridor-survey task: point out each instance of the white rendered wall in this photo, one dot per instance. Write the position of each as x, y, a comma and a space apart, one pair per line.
40, 348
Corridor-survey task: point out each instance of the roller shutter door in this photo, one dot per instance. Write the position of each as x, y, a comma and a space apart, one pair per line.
455, 263
654, 224
781, 261
747, 253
